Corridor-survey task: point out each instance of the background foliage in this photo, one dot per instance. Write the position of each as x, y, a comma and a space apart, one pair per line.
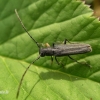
48, 21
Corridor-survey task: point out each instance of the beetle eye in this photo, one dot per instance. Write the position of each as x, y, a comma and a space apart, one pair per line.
42, 54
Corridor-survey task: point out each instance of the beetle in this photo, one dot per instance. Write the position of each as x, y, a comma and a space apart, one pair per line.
57, 50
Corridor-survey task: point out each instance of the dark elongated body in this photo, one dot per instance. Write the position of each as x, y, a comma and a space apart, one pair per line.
65, 49
57, 50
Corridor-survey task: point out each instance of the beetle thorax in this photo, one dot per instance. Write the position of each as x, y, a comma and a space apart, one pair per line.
46, 52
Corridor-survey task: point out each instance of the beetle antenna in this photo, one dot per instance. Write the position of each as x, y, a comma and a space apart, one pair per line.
24, 75
25, 28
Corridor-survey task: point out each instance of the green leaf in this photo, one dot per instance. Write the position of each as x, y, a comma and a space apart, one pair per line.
48, 21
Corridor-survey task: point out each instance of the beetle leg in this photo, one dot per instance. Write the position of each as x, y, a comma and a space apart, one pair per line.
51, 59
79, 62
57, 60
66, 40
53, 44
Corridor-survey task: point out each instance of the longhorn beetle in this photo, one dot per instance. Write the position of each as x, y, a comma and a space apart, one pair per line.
57, 50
